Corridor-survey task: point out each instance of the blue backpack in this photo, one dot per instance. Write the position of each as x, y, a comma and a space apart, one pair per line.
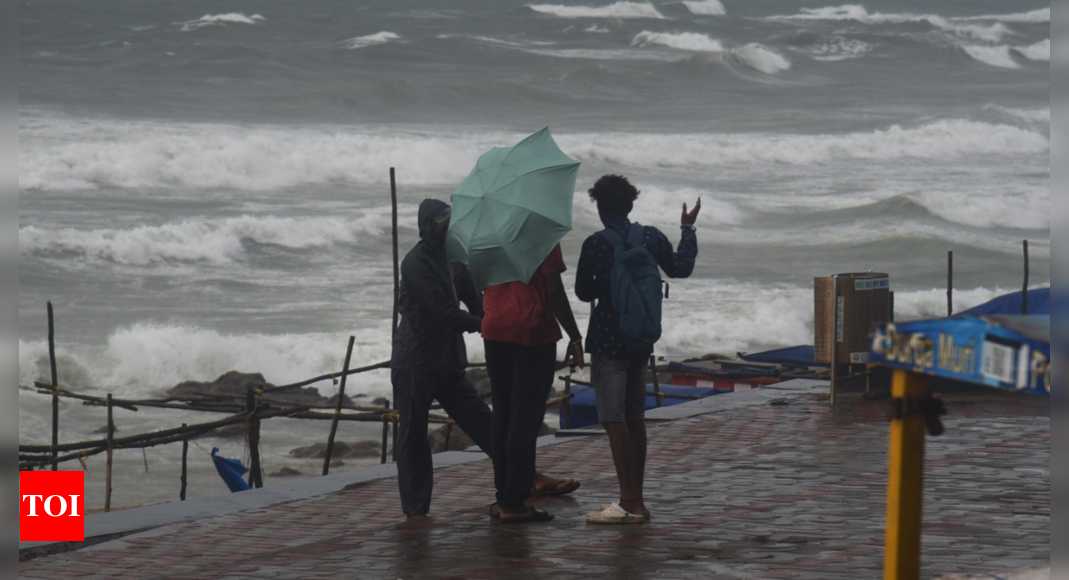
635, 282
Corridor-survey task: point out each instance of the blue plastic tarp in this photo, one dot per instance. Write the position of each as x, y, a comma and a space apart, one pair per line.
231, 471
585, 407
1038, 303
803, 356
740, 372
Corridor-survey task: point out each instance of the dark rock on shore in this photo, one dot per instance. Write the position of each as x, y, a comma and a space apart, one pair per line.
237, 384
286, 472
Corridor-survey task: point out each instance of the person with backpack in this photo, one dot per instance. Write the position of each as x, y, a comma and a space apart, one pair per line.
618, 268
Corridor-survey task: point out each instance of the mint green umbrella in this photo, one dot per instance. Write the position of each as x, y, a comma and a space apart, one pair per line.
513, 208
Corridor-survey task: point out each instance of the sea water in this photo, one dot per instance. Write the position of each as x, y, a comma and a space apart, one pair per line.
204, 187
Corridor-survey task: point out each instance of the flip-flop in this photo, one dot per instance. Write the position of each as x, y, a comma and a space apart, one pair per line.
556, 491
649, 516
536, 515
614, 514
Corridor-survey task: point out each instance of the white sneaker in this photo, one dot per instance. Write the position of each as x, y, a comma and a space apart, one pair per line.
614, 514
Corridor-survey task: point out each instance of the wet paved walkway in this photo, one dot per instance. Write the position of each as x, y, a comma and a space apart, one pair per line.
783, 488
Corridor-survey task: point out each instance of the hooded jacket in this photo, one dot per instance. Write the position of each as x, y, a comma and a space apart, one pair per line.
430, 335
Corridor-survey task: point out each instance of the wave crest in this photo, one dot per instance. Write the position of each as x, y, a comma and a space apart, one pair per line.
216, 242
220, 19
370, 40
705, 7
858, 13
691, 41
624, 10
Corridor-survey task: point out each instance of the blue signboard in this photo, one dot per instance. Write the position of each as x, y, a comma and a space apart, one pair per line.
1008, 352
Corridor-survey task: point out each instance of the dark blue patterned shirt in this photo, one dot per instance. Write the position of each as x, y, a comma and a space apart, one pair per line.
592, 280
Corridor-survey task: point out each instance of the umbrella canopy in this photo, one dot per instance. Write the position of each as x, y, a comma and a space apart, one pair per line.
512, 210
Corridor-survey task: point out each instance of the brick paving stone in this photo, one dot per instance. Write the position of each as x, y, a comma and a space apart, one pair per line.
755, 492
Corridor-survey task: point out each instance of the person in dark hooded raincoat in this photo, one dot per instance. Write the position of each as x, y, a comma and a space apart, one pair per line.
430, 358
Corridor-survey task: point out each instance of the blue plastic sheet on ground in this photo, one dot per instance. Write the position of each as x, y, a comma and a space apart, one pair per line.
802, 356
231, 471
1038, 303
740, 372
585, 407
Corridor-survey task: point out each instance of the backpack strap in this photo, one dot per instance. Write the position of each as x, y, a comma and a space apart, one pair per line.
636, 236
612, 237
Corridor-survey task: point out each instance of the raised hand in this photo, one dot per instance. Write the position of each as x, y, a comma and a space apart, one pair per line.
690, 217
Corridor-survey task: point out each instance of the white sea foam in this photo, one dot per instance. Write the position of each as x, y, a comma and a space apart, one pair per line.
691, 41
838, 48
147, 359
1022, 209
1037, 51
216, 242
991, 55
59, 154
705, 8
858, 13
1030, 115
370, 40
621, 10
759, 57
220, 19
1035, 16
596, 29
754, 55
952, 139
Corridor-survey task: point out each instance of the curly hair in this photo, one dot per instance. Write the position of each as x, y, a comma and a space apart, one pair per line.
614, 195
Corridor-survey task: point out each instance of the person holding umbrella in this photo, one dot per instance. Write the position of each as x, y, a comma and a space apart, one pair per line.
509, 217
618, 267
429, 358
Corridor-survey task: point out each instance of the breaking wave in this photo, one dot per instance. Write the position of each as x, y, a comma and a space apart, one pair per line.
991, 55
858, 13
146, 359
1035, 16
951, 139
705, 8
216, 242
370, 40
754, 55
220, 19
1037, 51
624, 10
683, 41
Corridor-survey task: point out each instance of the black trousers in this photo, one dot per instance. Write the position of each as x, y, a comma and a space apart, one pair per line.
521, 377
413, 393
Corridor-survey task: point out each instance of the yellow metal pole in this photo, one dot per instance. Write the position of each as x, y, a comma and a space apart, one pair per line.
906, 482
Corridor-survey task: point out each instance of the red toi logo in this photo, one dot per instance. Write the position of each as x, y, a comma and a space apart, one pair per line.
51, 506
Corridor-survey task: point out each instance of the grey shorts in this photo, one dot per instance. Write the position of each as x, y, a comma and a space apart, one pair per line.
620, 388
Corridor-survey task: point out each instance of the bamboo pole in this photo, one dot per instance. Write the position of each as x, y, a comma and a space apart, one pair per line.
656, 381
337, 408
55, 384
252, 433
1024, 293
111, 454
950, 283
376, 366
396, 262
185, 456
